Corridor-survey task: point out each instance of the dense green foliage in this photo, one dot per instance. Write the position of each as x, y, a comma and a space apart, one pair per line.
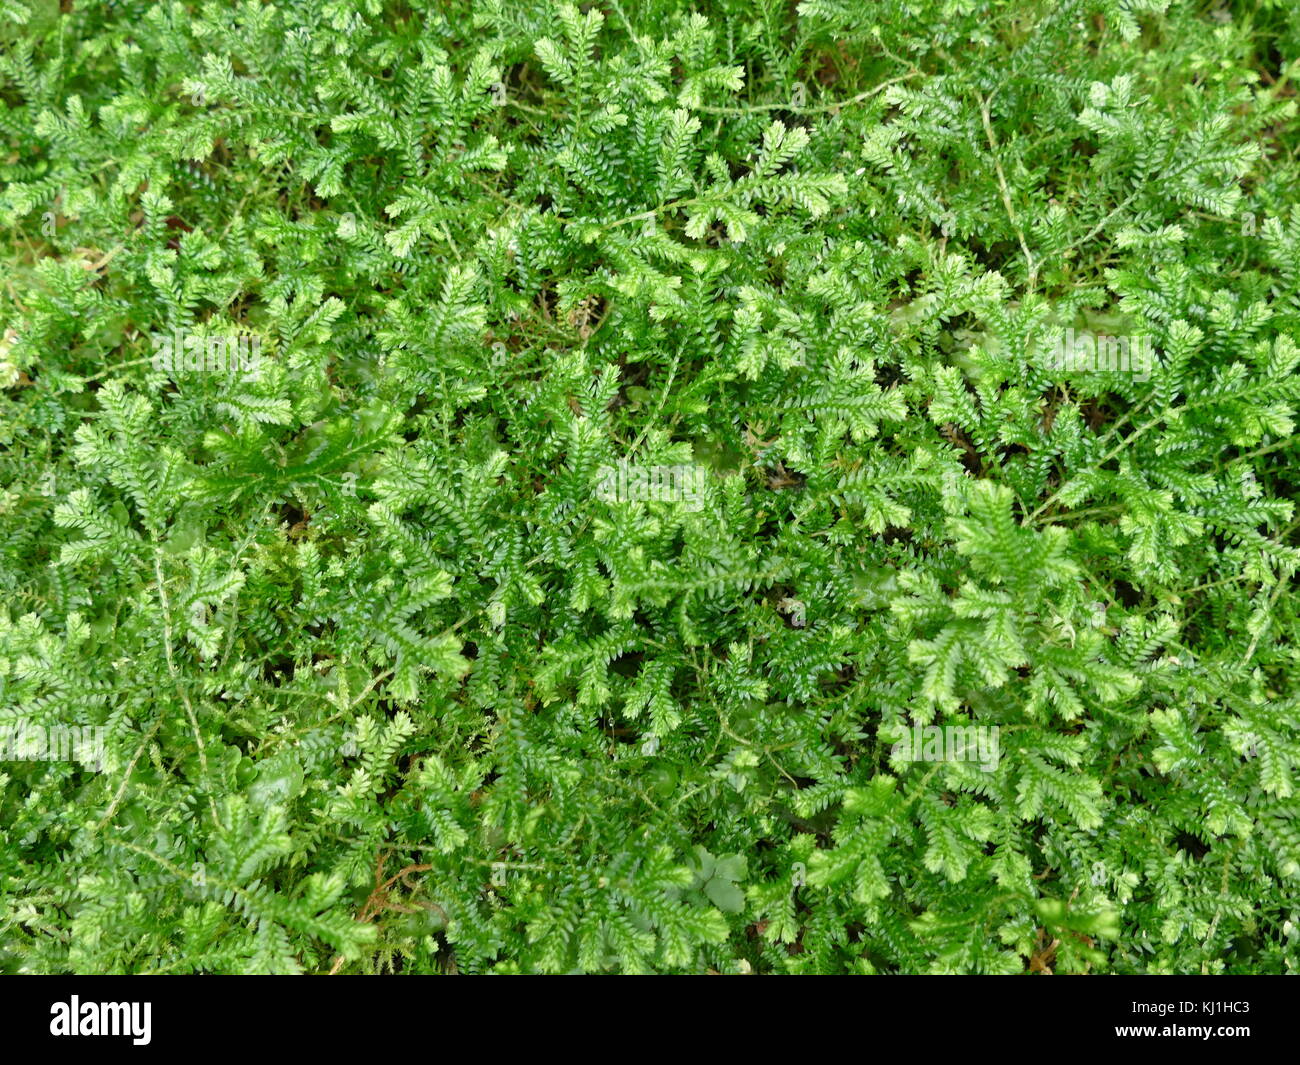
388, 683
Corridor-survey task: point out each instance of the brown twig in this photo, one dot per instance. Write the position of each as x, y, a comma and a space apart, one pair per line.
378, 900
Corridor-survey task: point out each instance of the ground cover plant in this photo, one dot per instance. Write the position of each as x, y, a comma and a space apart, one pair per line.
520, 487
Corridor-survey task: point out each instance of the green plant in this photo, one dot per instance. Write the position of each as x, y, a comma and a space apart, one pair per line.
389, 683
